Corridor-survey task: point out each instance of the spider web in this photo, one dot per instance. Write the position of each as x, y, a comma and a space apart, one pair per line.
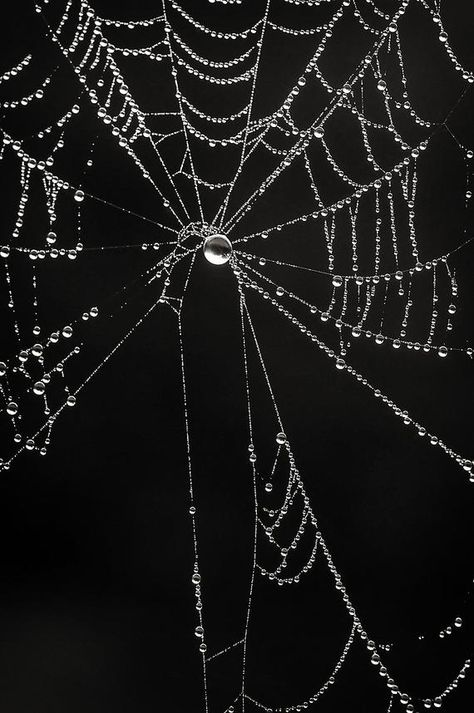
342, 262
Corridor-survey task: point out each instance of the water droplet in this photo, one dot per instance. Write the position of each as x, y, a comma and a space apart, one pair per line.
12, 408
281, 438
71, 401
79, 196
39, 388
196, 578
217, 249
337, 281
381, 85
199, 631
443, 351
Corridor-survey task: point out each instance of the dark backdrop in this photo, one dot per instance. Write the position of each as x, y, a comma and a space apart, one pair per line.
97, 608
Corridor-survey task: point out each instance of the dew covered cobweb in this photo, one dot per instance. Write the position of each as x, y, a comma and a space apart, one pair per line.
281, 143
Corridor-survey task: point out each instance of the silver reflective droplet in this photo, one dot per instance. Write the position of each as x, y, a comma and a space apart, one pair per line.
217, 249
12, 408
39, 388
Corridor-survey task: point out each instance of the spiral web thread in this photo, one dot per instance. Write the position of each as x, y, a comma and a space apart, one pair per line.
380, 282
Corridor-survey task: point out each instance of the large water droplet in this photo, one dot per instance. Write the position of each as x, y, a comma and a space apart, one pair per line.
12, 408
217, 249
39, 388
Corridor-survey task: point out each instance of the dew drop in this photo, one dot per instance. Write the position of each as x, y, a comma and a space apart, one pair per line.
217, 249
39, 388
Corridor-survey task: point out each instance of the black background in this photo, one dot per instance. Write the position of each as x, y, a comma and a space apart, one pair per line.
97, 607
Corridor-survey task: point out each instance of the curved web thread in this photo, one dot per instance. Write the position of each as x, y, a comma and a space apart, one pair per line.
353, 297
